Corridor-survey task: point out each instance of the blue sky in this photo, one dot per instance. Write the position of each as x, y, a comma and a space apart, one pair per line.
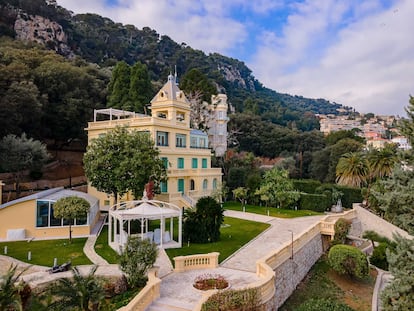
359, 53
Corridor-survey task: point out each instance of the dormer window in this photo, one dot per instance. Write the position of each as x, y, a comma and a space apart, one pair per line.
162, 94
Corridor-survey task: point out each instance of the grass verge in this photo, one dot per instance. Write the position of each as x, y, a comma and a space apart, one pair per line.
103, 249
233, 235
43, 252
273, 211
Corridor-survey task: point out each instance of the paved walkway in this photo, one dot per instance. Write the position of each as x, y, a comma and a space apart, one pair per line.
240, 268
279, 233
89, 248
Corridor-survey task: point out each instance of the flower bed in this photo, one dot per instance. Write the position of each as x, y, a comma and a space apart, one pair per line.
210, 281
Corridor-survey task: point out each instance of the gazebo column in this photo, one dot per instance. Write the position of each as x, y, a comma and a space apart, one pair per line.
171, 228
142, 228
162, 228
109, 228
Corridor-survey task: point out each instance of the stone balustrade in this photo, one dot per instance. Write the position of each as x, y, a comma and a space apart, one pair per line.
200, 261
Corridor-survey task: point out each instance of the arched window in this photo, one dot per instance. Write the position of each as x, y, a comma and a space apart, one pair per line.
215, 183
205, 183
192, 184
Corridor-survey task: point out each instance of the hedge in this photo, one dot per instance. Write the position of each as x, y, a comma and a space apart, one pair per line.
350, 195
314, 202
306, 185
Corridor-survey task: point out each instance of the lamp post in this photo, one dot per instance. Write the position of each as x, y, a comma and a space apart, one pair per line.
291, 244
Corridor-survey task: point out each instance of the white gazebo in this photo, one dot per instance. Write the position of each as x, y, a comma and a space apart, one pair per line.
121, 215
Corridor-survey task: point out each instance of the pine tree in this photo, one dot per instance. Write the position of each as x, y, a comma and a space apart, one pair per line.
140, 87
118, 88
399, 295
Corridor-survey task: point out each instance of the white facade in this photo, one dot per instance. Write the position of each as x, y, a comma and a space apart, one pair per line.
217, 124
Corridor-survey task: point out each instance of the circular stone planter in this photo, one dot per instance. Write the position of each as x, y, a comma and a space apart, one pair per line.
208, 282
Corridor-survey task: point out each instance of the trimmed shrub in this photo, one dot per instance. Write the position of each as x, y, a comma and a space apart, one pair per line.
342, 227
321, 304
314, 202
246, 299
349, 260
306, 185
379, 256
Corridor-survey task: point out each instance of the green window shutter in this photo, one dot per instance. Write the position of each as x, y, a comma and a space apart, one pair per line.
181, 185
165, 162
180, 163
164, 186
194, 163
204, 163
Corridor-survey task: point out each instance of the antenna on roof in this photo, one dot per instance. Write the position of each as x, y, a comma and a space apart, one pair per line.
175, 74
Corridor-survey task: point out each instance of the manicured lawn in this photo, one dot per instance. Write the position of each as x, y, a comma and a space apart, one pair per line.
273, 211
103, 249
234, 234
44, 252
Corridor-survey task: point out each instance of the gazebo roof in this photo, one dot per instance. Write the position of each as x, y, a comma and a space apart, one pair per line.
150, 209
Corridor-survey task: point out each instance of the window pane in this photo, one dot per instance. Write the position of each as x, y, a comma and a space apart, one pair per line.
180, 140
204, 163
162, 138
194, 163
164, 186
181, 185
81, 221
54, 222
205, 184
66, 222
42, 214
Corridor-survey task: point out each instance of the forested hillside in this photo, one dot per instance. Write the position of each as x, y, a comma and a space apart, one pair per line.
101, 41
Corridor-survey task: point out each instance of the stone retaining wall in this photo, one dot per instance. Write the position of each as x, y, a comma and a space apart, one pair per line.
291, 272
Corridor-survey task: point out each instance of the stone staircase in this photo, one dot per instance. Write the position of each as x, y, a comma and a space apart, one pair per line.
169, 304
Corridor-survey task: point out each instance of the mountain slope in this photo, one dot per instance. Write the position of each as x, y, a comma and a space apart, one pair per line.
99, 40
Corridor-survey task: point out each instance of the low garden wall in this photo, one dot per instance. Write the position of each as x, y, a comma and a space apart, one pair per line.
147, 295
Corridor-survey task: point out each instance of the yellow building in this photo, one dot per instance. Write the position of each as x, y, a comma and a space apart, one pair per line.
32, 217
184, 150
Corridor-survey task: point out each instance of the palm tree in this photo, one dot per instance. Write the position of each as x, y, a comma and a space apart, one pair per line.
382, 161
78, 292
9, 292
352, 170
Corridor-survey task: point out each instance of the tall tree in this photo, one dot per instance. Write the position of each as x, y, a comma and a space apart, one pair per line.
399, 295
195, 81
140, 87
407, 125
122, 161
352, 170
71, 208
279, 188
119, 86
21, 153
396, 198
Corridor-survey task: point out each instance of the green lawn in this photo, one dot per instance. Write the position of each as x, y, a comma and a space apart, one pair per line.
44, 251
103, 249
273, 211
234, 234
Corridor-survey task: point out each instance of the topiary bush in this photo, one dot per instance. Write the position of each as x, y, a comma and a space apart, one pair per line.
342, 227
202, 223
349, 260
314, 202
321, 304
379, 256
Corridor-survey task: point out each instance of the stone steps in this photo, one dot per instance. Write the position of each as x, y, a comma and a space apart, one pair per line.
169, 304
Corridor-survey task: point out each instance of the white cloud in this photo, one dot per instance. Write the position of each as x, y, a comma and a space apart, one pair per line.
203, 25
368, 65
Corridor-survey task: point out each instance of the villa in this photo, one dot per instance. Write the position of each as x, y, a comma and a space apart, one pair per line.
185, 151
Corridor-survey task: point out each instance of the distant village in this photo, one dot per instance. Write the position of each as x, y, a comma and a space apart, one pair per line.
377, 130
